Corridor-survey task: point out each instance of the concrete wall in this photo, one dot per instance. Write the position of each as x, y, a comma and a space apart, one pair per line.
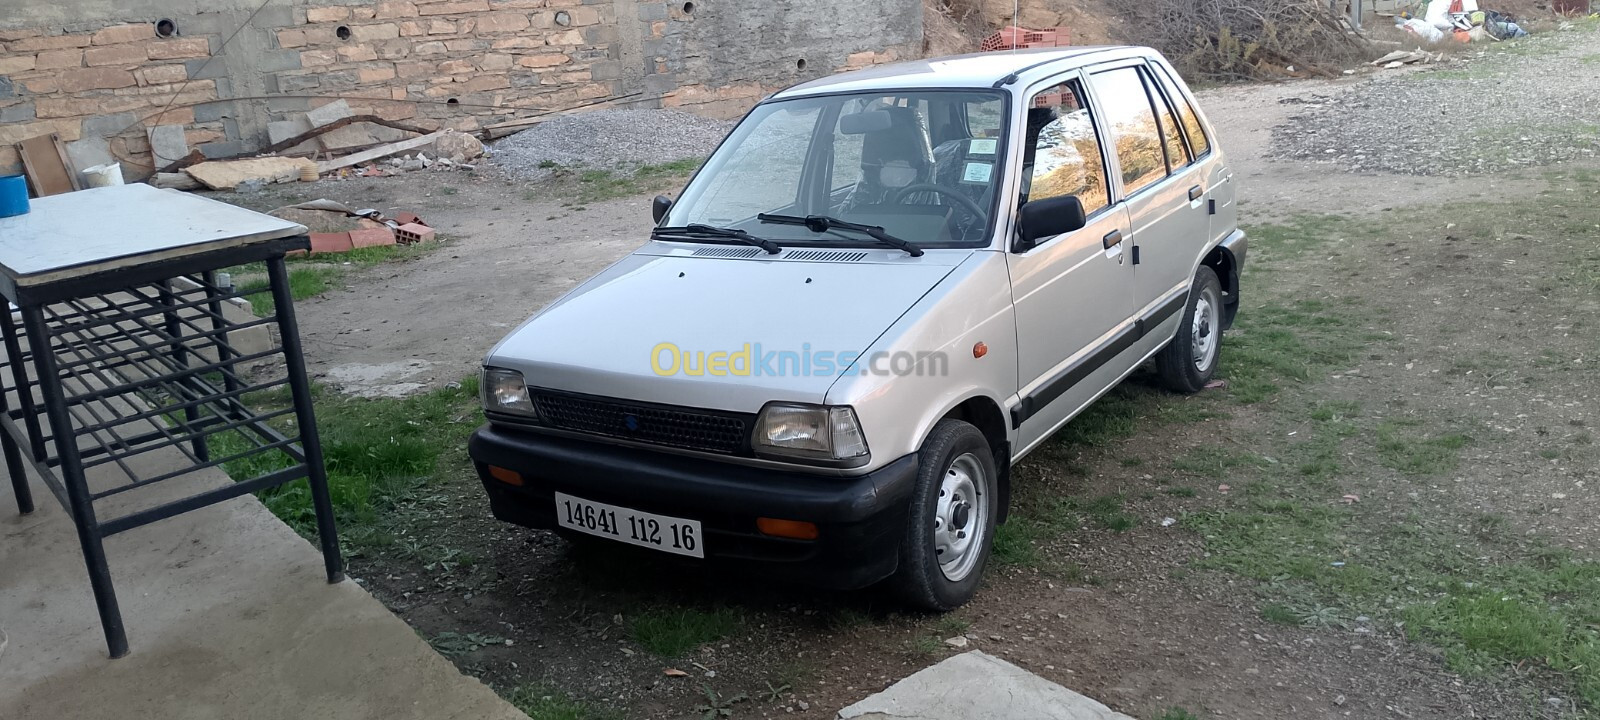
94, 72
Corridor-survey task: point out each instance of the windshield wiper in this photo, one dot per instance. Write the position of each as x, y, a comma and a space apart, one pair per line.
707, 231
823, 223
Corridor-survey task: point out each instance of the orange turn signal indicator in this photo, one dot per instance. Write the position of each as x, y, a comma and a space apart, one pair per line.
794, 529
980, 350
509, 477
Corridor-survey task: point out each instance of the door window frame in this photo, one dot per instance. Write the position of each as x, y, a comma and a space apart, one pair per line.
1161, 71
1107, 167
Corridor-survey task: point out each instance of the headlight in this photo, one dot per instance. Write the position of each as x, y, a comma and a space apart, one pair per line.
809, 431
504, 391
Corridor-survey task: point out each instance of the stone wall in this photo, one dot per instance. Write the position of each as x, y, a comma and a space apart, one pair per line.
97, 74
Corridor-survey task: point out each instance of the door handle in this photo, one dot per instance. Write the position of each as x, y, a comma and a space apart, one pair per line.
1112, 239
1195, 193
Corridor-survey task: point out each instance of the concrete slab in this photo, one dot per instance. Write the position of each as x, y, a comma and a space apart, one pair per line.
976, 685
229, 616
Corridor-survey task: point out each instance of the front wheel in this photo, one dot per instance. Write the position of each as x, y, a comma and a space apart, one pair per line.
1189, 361
951, 527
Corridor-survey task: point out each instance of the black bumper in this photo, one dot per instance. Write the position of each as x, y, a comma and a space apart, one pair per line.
860, 519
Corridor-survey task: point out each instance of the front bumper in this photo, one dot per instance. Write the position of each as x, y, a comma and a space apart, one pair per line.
860, 519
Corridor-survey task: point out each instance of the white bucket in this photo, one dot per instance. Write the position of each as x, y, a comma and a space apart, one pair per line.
103, 175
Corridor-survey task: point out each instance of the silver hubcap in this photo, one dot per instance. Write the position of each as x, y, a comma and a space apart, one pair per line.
1205, 331
961, 518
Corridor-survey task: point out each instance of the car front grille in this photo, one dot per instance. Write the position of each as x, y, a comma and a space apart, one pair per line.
680, 427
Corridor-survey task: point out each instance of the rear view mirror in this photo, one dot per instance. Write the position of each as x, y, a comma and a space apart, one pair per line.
1049, 217
660, 206
868, 121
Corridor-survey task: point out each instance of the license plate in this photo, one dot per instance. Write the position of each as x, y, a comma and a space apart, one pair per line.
657, 532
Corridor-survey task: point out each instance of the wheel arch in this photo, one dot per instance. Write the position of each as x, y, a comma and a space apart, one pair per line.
1222, 261
984, 413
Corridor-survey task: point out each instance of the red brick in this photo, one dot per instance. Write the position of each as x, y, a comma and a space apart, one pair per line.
95, 79
124, 34
371, 237
119, 55
177, 49
332, 242
413, 232
55, 59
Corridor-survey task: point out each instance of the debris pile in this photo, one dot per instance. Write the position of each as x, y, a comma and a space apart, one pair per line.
1458, 21
336, 227
608, 138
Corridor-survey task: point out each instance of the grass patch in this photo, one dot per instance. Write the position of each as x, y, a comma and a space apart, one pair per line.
599, 185
313, 275
671, 632
541, 702
1283, 343
377, 452
1400, 447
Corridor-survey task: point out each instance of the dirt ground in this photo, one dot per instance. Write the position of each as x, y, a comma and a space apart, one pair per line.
1420, 308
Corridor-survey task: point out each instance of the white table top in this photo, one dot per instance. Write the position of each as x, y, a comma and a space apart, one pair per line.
100, 229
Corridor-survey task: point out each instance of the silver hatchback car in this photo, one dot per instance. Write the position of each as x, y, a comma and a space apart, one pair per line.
884, 289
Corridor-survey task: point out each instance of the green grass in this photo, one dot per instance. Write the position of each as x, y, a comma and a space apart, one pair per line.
1281, 344
313, 275
599, 185
542, 702
1402, 447
376, 451
670, 632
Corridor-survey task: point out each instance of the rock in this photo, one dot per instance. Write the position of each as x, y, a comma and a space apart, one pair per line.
459, 147
228, 174
976, 685
956, 642
174, 181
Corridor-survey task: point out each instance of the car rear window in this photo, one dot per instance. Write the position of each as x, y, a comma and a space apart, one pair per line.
1198, 142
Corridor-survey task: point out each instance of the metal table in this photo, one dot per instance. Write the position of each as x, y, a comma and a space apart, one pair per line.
122, 371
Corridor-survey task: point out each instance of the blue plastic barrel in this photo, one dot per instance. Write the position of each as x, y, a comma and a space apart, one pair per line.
13, 195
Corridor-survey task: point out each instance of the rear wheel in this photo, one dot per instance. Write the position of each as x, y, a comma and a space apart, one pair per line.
1189, 361
950, 530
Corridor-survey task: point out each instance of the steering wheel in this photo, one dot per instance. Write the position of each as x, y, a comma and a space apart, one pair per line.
962, 200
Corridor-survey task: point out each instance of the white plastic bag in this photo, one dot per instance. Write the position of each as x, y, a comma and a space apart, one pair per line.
1438, 14
1423, 31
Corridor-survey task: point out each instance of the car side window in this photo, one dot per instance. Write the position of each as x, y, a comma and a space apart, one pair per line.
1134, 132
1177, 153
1063, 153
1199, 144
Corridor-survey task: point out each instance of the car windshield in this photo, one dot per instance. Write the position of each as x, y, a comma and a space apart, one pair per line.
922, 165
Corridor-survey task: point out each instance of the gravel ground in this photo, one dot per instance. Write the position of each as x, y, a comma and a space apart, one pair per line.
608, 138
1523, 103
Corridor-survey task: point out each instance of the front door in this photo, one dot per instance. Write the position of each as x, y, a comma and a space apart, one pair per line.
1073, 292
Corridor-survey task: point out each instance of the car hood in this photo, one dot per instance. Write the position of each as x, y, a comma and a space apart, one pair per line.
782, 323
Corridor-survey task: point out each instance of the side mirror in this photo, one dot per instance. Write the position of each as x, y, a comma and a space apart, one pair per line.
1049, 217
660, 206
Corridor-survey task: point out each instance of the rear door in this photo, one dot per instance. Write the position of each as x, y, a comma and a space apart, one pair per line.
1072, 292
1161, 186
1220, 188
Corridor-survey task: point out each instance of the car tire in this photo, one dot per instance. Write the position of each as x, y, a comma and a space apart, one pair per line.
1187, 363
954, 508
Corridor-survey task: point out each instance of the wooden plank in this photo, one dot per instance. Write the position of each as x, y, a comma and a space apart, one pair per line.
378, 153
44, 161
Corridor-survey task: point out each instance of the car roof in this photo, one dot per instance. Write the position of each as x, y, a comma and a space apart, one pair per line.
977, 70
